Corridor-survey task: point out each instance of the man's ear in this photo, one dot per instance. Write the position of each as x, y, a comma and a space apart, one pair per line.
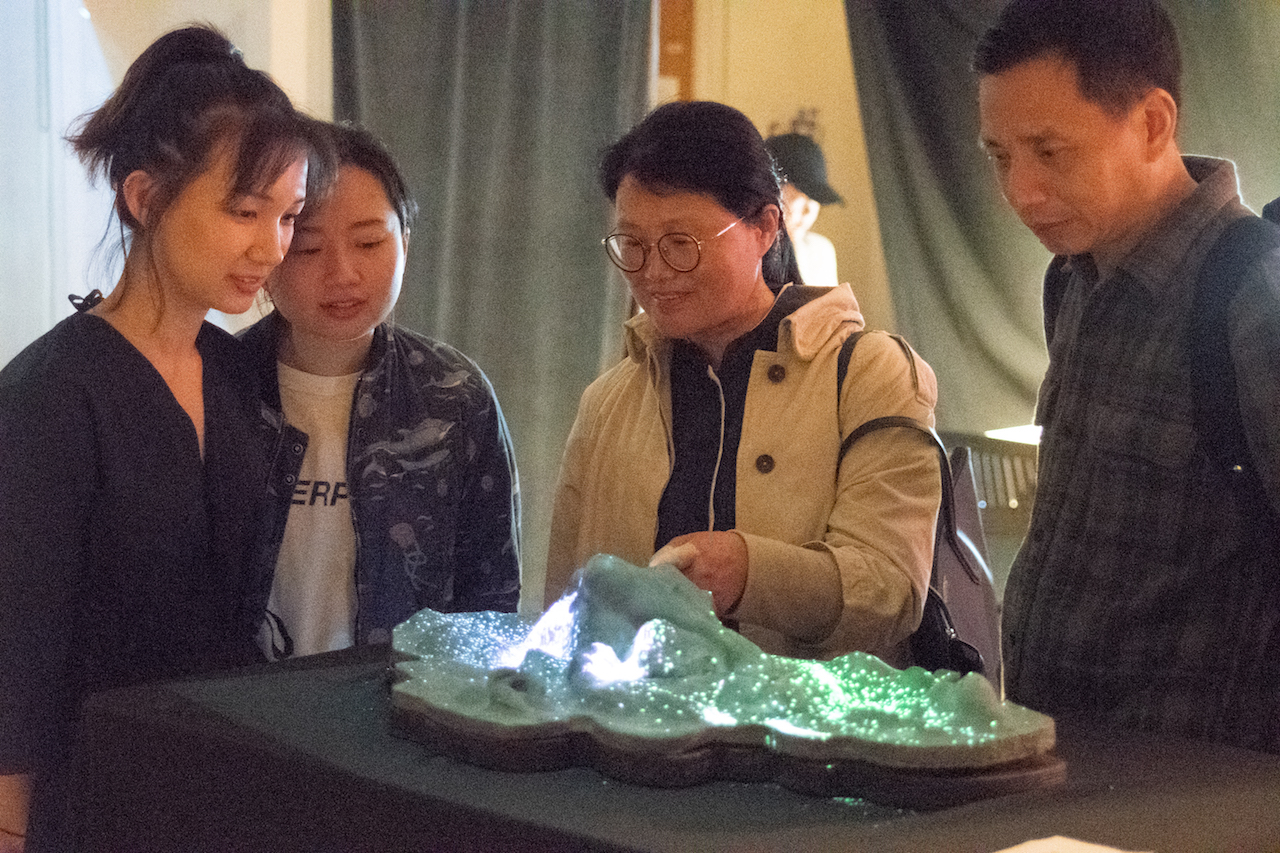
138, 191
1159, 115
404, 238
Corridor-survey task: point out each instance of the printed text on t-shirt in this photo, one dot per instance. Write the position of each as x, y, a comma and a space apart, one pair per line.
308, 493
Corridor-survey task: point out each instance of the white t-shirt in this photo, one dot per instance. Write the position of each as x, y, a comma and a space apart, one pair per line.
314, 588
816, 257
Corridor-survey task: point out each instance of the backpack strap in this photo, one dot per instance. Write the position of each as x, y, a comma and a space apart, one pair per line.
946, 533
1272, 211
1055, 285
1218, 422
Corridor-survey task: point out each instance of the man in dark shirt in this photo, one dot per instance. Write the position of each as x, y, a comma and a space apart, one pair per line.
1147, 593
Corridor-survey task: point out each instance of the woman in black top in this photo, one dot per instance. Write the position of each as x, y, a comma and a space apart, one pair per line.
127, 471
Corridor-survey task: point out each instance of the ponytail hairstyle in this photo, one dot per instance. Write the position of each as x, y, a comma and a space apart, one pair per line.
709, 148
187, 94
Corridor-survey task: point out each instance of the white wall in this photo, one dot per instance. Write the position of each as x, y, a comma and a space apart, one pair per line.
50, 218
289, 39
64, 57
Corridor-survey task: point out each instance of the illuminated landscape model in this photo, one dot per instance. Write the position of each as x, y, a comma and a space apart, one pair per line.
632, 673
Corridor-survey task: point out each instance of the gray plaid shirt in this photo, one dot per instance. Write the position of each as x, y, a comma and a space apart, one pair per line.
1143, 596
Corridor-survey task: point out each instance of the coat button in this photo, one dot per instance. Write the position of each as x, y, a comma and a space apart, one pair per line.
764, 463
777, 373
297, 449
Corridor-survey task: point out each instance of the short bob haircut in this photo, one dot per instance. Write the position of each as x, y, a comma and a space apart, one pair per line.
355, 146
708, 148
1121, 49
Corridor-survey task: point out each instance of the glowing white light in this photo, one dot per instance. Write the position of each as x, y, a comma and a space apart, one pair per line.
1025, 434
552, 634
602, 664
789, 728
713, 716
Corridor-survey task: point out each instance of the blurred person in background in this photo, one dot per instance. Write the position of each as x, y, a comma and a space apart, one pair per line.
804, 191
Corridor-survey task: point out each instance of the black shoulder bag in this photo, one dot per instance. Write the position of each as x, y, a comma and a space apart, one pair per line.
935, 644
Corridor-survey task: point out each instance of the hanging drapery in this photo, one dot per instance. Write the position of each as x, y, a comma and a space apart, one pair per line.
964, 273
498, 113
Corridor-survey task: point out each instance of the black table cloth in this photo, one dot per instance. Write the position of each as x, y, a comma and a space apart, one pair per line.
301, 756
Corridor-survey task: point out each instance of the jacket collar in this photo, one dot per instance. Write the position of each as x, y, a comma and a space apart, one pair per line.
804, 331
262, 341
1158, 263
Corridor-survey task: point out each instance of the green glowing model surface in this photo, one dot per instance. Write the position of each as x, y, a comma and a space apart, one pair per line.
636, 658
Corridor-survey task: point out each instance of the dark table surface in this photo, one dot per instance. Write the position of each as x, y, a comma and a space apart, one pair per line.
301, 757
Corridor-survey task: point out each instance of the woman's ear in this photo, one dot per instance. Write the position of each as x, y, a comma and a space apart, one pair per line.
404, 239
138, 191
769, 222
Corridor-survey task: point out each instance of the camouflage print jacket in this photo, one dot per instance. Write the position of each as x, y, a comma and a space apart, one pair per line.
431, 476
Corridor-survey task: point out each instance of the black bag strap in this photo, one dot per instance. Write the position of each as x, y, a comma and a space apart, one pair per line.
947, 510
946, 533
935, 644
1218, 422
842, 361
846, 353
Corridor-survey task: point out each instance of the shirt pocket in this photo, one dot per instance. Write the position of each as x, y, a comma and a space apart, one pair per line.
1141, 441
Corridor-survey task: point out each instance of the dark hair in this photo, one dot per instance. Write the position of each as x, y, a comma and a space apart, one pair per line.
1121, 49
355, 146
709, 148
187, 93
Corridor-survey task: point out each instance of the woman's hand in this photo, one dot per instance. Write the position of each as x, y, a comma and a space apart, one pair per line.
715, 561
15, 797
10, 843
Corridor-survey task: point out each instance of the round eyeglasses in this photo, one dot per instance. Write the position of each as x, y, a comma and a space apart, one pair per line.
682, 252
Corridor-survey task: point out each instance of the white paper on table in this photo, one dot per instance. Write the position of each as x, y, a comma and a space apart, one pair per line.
1059, 844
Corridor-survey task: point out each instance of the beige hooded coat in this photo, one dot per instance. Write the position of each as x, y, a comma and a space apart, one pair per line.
837, 560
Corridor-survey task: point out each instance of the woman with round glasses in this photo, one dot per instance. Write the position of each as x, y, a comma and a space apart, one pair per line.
715, 444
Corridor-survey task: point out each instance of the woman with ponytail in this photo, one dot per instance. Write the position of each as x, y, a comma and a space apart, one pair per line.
128, 465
